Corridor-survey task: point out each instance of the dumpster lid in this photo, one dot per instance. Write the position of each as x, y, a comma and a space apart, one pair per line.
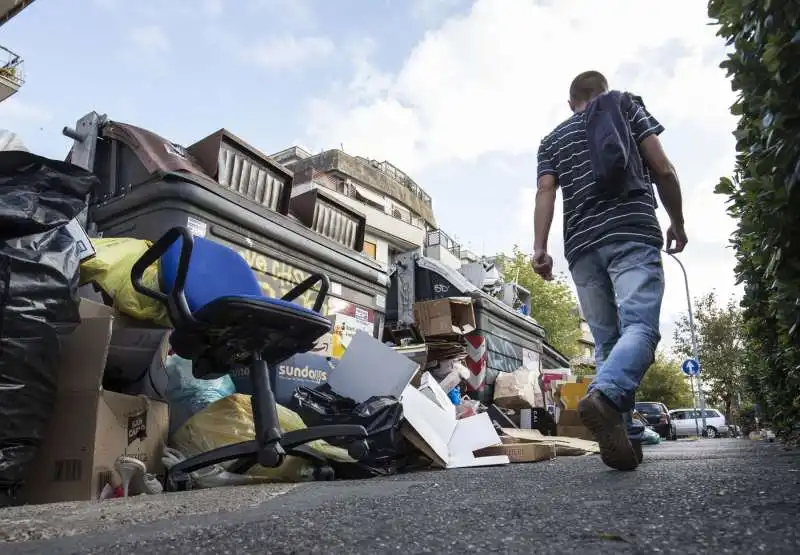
156, 153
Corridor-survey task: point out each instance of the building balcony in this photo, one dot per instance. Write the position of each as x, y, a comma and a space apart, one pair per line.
11, 73
441, 247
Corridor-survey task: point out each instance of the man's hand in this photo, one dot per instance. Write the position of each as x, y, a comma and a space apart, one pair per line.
543, 264
676, 238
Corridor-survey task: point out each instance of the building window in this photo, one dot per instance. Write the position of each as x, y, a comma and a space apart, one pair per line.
370, 249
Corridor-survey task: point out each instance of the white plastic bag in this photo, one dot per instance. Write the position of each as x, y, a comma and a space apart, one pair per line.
11, 141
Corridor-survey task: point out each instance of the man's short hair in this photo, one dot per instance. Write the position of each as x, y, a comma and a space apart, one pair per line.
587, 85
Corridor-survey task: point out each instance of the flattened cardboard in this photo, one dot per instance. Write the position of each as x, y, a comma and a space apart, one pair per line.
521, 451
565, 446
452, 442
90, 427
451, 316
369, 368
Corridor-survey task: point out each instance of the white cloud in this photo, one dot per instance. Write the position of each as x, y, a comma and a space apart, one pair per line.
150, 40
495, 80
287, 51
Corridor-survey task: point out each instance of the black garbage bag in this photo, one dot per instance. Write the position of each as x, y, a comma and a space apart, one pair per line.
39, 272
380, 416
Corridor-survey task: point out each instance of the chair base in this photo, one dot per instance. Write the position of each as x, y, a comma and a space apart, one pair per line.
270, 447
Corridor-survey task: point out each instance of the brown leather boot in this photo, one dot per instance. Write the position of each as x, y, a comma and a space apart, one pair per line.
608, 427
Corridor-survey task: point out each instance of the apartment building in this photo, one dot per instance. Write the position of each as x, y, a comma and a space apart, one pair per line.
398, 212
11, 66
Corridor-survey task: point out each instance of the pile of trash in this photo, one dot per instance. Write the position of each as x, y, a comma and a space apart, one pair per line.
94, 405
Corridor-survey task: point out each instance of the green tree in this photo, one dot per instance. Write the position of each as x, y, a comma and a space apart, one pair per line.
665, 383
764, 66
720, 348
552, 302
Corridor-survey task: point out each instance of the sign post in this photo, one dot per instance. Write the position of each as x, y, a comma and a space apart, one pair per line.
691, 367
695, 356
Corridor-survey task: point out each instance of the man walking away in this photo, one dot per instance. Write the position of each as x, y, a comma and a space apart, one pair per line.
612, 242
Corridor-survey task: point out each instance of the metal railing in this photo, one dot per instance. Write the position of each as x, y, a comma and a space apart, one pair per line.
393, 172
437, 237
11, 66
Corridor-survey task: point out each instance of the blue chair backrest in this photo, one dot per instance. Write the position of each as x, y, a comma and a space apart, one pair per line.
214, 271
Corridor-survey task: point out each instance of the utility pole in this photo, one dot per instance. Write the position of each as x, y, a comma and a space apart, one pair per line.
694, 351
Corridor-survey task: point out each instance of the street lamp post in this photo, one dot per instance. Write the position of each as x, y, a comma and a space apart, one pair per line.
694, 351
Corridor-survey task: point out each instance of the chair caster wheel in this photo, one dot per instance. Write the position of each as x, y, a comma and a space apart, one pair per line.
272, 456
324, 474
359, 449
178, 481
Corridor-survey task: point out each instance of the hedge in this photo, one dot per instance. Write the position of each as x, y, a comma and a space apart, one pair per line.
765, 193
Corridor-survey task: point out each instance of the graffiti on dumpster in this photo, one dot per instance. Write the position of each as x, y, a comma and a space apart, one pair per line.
503, 355
278, 278
440, 288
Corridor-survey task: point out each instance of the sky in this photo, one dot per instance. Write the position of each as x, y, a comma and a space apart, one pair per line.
456, 93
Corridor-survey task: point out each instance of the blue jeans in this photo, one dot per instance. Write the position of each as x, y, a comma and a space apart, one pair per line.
620, 287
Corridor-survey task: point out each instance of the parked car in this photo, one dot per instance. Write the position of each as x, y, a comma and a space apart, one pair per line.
683, 422
658, 418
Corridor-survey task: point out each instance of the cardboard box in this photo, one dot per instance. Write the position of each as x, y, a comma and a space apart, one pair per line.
451, 316
90, 427
569, 425
570, 394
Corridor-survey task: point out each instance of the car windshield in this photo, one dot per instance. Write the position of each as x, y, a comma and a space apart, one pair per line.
648, 408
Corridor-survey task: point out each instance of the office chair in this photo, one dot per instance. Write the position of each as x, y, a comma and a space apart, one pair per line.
221, 319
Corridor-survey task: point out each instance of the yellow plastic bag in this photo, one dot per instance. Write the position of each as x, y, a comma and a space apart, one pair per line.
230, 420
110, 269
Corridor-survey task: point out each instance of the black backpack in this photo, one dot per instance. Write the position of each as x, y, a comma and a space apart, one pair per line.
616, 162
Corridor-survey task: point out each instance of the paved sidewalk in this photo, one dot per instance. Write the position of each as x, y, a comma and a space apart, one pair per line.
708, 496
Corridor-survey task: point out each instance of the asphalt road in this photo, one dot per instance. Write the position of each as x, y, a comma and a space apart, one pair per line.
708, 496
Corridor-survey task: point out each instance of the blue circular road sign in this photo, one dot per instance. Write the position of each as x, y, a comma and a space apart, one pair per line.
691, 367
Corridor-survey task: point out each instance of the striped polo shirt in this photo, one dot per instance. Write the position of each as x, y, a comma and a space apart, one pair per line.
589, 220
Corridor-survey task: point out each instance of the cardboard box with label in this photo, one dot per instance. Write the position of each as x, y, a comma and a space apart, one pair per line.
90, 427
451, 316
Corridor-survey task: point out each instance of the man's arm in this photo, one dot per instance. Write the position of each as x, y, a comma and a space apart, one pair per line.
665, 176
547, 183
543, 213
646, 129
